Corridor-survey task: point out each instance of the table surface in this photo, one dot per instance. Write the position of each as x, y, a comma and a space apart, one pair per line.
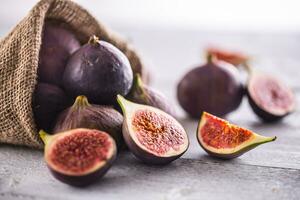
270, 171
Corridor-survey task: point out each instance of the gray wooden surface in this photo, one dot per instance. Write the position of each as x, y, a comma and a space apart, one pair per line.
272, 171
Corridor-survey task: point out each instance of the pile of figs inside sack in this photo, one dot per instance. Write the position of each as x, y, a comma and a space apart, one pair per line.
89, 106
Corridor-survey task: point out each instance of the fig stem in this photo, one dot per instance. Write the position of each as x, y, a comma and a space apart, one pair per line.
210, 57
44, 136
94, 40
81, 101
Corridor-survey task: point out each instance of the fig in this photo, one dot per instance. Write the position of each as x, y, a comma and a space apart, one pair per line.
235, 58
82, 114
214, 87
270, 99
58, 43
48, 101
223, 140
152, 135
99, 71
79, 157
143, 94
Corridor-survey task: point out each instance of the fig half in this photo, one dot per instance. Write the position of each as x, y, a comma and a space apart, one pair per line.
270, 99
82, 114
152, 135
221, 139
79, 157
99, 71
143, 94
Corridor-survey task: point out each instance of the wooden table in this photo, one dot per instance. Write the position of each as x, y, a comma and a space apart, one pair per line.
272, 171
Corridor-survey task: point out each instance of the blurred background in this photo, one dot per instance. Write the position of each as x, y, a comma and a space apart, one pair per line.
171, 34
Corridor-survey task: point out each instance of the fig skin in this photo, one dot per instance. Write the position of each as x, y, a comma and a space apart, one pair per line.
58, 43
225, 156
77, 180
48, 101
214, 87
261, 111
82, 114
99, 71
141, 152
143, 94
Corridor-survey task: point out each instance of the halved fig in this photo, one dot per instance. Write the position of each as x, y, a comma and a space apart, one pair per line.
152, 135
221, 139
269, 98
79, 156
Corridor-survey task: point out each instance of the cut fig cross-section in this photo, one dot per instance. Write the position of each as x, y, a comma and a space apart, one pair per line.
221, 139
269, 97
152, 135
79, 156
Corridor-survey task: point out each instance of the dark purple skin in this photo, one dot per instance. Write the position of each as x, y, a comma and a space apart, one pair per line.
143, 94
58, 43
48, 101
214, 87
84, 115
99, 71
81, 181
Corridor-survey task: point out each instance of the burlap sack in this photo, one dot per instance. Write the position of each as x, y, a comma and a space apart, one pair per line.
19, 54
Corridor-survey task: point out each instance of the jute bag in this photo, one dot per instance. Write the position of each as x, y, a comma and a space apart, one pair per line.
19, 57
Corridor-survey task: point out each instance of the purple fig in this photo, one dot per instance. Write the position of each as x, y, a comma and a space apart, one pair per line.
143, 94
82, 114
99, 71
58, 43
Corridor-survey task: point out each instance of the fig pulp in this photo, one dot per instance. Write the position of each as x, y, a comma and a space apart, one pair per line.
269, 98
58, 43
48, 101
99, 71
152, 135
214, 87
143, 94
235, 58
82, 114
221, 139
79, 156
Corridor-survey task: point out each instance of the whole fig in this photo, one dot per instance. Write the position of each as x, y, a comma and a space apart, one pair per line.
58, 43
48, 101
143, 94
214, 87
99, 71
82, 114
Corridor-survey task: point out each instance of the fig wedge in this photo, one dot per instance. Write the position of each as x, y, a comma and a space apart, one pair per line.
221, 139
152, 135
79, 157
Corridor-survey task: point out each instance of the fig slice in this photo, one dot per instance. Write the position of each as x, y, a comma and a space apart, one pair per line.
79, 157
221, 139
270, 99
152, 135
